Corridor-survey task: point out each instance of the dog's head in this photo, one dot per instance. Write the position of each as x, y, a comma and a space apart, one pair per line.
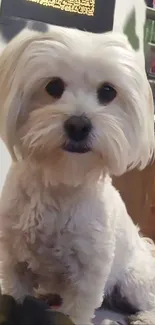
76, 101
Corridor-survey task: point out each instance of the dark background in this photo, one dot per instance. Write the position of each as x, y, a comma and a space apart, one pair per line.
149, 3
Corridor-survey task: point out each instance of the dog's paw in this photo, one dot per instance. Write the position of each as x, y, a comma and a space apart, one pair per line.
142, 318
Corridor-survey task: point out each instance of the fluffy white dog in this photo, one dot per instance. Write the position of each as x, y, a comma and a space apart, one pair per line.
75, 109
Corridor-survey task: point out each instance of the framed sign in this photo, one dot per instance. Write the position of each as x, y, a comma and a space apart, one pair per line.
97, 16
90, 15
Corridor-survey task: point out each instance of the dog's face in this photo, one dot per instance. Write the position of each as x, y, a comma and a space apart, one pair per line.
78, 102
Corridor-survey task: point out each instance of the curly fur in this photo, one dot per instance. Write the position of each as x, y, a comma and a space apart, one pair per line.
60, 215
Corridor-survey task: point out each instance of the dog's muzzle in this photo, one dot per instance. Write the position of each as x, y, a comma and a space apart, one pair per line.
77, 129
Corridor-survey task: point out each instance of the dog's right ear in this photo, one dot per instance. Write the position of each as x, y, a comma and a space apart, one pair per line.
11, 91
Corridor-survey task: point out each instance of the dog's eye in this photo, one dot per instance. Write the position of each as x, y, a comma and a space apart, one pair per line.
55, 87
106, 93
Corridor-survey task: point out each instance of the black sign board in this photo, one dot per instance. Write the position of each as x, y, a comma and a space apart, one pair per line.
90, 15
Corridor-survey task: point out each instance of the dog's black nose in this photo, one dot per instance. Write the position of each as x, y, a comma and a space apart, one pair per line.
78, 127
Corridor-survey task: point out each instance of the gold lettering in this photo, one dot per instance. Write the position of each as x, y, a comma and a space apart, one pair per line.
84, 7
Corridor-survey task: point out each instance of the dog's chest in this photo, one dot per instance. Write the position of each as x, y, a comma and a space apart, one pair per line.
54, 232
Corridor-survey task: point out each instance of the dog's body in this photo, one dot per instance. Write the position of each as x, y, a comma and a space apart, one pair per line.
77, 243
63, 225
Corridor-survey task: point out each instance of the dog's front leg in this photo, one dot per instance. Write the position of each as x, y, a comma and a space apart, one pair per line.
90, 261
82, 298
14, 213
15, 281
85, 291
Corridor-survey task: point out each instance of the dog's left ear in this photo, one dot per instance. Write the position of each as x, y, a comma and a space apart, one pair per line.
151, 101
147, 147
151, 125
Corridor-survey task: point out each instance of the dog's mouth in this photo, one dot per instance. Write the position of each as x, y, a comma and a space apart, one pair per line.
76, 147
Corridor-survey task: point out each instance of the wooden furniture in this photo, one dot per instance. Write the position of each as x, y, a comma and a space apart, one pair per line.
137, 189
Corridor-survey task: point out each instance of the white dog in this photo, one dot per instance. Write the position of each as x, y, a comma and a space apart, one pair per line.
75, 108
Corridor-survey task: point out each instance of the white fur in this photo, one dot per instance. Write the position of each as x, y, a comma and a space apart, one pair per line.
59, 211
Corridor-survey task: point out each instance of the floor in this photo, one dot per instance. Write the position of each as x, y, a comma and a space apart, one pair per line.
106, 314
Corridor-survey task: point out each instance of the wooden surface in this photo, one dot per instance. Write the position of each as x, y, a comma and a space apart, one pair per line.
137, 189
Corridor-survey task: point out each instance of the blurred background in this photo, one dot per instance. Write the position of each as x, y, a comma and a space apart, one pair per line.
149, 37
